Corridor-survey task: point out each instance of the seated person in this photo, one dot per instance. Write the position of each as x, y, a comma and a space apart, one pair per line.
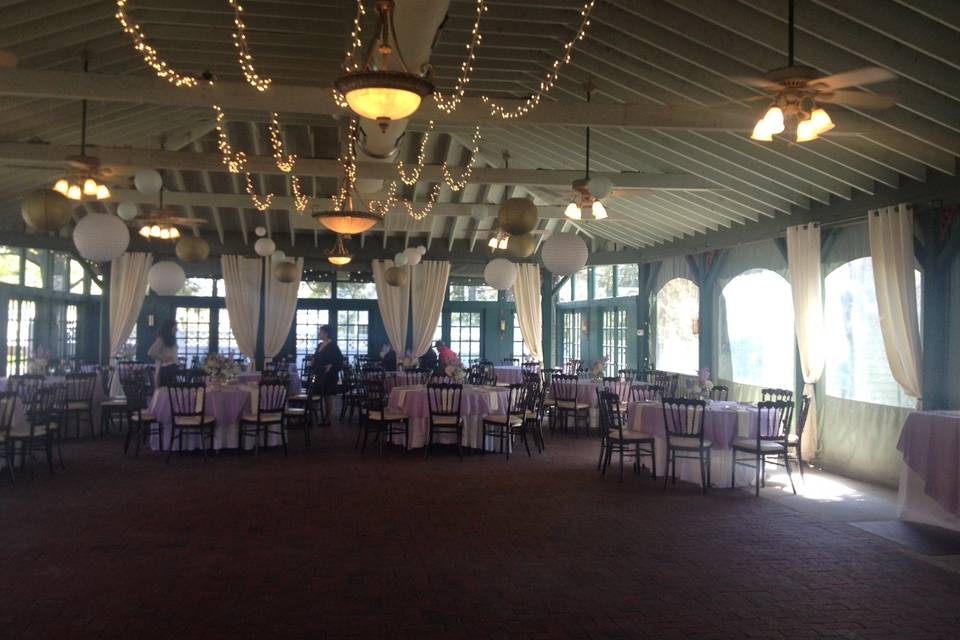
388, 357
429, 359
446, 354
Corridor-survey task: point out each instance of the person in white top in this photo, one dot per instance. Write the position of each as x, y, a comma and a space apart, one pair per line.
164, 352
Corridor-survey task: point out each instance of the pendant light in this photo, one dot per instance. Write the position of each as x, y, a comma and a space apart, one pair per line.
338, 256
374, 90
587, 195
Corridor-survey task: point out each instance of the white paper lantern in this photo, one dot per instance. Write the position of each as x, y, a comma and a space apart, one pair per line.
127, 211
278, 256
166, 278
564, 254
500, 273
260, 231
148, 182
422, 250
401, 259
600, 187
100, 237
264, 247
413, 256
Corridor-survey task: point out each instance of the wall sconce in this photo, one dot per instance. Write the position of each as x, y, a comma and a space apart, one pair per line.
583, 327
503, 326
695, 326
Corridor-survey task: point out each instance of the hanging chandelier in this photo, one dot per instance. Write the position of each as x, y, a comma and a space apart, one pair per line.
372, 89
344, 220
160, 232
338, 256
587, 192
500, 241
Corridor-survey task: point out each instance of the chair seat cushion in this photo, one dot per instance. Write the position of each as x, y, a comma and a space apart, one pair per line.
78, 405
144, 416
531, 415
299, 397
388, 416
571, 405
445, 419
513, 421
750, 444
687, 442
296, 411
630, 435
114, 402
264, 417
193, 421
23, 430
549, 402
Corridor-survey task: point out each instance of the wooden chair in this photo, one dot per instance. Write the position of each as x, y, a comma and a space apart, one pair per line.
199, 376
374, 417
112, 408
444, 401
795, 440
188, 411
646, 393
141, 424
564, 391
269, 418
510, 362
572, 367
418, 376
25, 386
81, 388
533, 417
772, 439
683, 421
300, 413
776, 395
41, 429
720, 392
615, 439
8, 405
504, 427
306, 366
629, 375
531, 367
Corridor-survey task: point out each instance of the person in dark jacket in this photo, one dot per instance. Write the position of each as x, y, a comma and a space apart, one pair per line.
388, 357
327, 361
429, 359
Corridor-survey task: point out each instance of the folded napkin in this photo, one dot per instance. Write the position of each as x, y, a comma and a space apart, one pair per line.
494, 401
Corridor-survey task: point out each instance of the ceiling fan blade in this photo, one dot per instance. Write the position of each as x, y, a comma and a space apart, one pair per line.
761, 83
857, 77
858, 99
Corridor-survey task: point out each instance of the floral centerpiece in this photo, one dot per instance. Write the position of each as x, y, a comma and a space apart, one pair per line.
702, 386
599, 367
409, 362
39, 364
455, 372
220, 369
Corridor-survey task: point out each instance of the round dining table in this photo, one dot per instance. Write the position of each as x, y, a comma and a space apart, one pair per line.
476, 402
508, 374
587, 394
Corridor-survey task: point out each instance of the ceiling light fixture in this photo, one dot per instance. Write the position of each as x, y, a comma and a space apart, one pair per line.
587, 193
338, 256
372, 89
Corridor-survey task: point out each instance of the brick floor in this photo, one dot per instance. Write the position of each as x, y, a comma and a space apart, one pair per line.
329, 544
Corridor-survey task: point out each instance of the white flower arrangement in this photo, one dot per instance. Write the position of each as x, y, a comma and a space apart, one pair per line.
599, 367
703, 385
220, 368
409, 362
455, 372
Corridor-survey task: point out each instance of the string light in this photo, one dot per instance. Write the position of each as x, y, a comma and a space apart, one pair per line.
257, 81
235, 163
450, 104
150, 55
456, 184
285, 163
414, 176
349, 60
548, 83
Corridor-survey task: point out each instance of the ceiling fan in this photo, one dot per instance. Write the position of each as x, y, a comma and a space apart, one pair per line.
797, 92
163, 223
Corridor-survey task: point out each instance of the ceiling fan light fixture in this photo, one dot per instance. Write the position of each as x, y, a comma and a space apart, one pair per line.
807, 131
103, 192
774, 119
573, 211
74, 192
62, 186
821, 120
599, 211
90, 187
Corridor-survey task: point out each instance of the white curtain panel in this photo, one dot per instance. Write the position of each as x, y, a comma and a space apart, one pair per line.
429, 282
281, 307
891, 247
803, 262
526, 292
242, 279
128, 288
394, 303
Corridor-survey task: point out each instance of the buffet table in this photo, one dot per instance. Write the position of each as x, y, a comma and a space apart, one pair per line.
930, 475
476, 402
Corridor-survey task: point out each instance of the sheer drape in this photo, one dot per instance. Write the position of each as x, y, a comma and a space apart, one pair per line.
128, 288
394, 303
281, 306
429, 289
803, 262
242, 279
526, 292
891, 247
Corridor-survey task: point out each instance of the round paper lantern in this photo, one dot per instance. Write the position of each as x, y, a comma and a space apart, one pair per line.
278, 256
401, 259
148, 182
521, 246
192, 249
166, 278
100, 237
127, 211
395, 276
264, 247
518, 216
500, 273
413, 255
46, 210
286, 271
564, 254
260, 231
600, 187
422, 250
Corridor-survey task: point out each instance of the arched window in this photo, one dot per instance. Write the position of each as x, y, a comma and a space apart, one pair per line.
678, 314
757, 340
856, 362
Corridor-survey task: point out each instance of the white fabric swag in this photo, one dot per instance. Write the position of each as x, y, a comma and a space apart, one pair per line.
891, 248
803, 262
128, 288
526, 293
242, 279
281, 306
429, 283
394, 303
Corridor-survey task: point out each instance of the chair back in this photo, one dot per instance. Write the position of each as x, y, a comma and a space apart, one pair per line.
564, 387
517, 401
307, 365
774, 418
720, 392
548, 374
611, 417
646, 393
531, 367
629, 375
194, 376
535, 396
106, 379
511, 362
271, 397
373, 392
275, 377
611, 383
81, 387
25, 386
48, 405
444, 400
417, 376
135, 391
769, 395
802, 416
572, 367
8, 406
187, 400
683, 417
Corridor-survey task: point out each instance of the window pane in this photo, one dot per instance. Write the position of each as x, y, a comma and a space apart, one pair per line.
481, 293
33, 269
221, 290
352, 326
21, 315
628, 280
315, 290
197, 287
193, 333
579, 280
759, 341
95, 288
603, 281
10, 265
226, 341
571, 335
519, 346
60, 274
129, 349
76, 277
678, 310
309, 322
465, 335
614, 336
356, 291
856, 365
566, 291
68, 333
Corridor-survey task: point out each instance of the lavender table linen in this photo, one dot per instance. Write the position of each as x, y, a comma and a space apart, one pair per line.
476, 403
930, 443
253, 377
509, 375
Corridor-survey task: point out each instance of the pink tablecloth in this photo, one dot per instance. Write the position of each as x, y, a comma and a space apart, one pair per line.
930, 442
723, 422
476, 403
253, 377
509, 375
97, 400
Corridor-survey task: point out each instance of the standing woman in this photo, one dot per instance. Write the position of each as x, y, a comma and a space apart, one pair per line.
164, 352
327, 361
